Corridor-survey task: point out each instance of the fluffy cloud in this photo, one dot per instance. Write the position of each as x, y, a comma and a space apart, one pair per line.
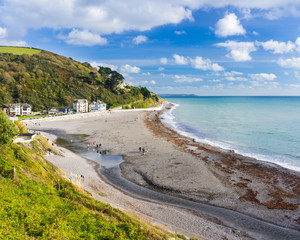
229, 26
163, 60
84, 38
239, 51
278, 47
111, 66
263, 76
160, 69
232, 73
205, 64
4, 42
184, 78
151, 82
180, 60
140, 39
3, 32
289, 62
130, 69
107, 17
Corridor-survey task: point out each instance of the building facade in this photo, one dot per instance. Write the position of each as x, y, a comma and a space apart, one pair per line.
5, 109
25, 109
81, 105
97, 106
15, 109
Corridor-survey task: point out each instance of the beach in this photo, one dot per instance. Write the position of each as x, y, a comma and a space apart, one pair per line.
175, 165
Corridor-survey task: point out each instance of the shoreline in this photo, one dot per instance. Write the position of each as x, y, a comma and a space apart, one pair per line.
216, 186
242, 171
209, 143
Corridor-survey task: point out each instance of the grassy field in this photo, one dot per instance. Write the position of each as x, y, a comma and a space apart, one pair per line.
19, 50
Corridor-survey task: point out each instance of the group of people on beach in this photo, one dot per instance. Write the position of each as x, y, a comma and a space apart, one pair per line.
95, 147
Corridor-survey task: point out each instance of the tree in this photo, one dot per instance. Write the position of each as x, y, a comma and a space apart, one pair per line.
8, 130
146, 93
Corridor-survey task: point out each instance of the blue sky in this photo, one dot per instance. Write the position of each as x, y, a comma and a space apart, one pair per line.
227, 47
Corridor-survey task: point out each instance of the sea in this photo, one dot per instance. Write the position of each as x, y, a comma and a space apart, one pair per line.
265, 128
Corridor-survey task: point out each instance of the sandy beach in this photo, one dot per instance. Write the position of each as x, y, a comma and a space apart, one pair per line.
177, 166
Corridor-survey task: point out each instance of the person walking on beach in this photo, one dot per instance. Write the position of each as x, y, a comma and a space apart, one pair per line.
140, 149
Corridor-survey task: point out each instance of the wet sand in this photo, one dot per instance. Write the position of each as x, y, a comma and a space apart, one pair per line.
173, 164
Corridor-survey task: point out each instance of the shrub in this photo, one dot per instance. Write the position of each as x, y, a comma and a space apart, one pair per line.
8, 130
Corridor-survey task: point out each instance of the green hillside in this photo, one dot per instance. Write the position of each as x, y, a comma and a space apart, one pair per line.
19, 50
36, 202
46, 80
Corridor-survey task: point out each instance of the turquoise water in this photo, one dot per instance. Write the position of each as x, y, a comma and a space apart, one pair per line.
267, 128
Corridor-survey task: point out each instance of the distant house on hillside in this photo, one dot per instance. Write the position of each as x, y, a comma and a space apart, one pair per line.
15, 109
25, 109
97, 106
81, 105
5, 109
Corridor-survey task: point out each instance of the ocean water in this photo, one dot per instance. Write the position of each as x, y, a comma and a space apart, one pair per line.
266, 128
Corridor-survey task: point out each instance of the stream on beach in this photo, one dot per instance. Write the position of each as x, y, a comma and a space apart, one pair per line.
110, 170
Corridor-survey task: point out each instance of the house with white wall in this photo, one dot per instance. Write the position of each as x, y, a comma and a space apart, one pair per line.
15, 109
97, 106
81, 105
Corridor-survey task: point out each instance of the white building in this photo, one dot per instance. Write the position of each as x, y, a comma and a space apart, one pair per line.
26, 109
15, 109
81, 105
97, 106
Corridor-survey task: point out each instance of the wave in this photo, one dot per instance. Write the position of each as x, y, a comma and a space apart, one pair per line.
169, 119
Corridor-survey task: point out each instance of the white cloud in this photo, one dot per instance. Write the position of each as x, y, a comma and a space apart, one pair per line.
160, 69
239, 51
214, 80
206, 64
152, 82
232, 73
263, 76
111, 66
84, 38
184, 78
108, 17
4, 42
146, 74
3, 32
277, 47
140, 39
238, 79
229, 26
129, 69
289, 62
255, 33
180, 32
180, 60
163, 60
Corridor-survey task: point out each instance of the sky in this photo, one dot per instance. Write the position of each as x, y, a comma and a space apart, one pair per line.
202, 47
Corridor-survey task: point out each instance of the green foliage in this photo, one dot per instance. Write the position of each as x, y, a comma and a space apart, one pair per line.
19, 50
146, 93
7, 129
38, 203
47, 80
22, 128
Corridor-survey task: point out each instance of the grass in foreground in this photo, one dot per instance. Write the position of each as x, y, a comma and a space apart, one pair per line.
37, 203
19, 50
